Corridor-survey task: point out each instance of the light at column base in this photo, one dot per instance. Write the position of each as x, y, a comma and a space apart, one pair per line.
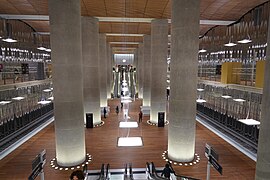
195, 161
154, 124
55, 166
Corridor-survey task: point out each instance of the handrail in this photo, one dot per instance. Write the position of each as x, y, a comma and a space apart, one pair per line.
101, 175
107, 176
130, 172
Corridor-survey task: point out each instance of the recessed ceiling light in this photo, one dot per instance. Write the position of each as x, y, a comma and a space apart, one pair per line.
9, 40
230, 44
245, 41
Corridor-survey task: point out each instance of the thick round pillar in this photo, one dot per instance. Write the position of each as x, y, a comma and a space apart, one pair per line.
66, 44
109, 70
159, 47
103, 70
140, 71
263, 153
183, 79
147, 70
91, 68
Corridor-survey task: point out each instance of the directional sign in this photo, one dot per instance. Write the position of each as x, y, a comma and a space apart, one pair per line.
209, 151
215, 164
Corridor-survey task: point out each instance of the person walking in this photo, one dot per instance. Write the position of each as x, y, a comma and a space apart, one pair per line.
166, 172
104, 112
117, 110
140, 116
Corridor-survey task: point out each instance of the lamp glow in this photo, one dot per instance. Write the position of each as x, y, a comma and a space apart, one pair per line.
18, 98
124, 60
226, 97
202, 50
129, 141
200, 89
128, 125
41, 48
230, 44
239, 100
47, 90
44, 102
244, 41
9, 40
200, 101
4, 102
250, 121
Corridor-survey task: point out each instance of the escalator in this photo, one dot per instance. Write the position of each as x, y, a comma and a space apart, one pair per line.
128, 175
151, 172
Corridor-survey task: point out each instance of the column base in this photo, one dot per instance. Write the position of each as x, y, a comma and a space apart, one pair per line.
156, 124
195, 161
55, 166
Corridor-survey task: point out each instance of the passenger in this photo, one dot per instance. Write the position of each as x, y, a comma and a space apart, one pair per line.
166, 171
77, 175
140, 116
104, 112
117, 110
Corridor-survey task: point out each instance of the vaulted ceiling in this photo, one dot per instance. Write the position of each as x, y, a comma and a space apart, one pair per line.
224, 10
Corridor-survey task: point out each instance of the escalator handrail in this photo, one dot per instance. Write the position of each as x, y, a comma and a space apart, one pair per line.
154, 173
130, 171
107, 171
101, 175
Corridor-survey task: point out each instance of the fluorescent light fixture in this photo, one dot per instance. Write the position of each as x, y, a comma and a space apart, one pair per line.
239, 100
126, 101
124, 42
124, 60
47, 90
249, 121
226, 97
51, 98
200, 101
168, 87
41, 48
4, 102
18, 98
244, 41
44, 102
124, 80
48, 50
115, 34
168, 81
200, 89
124, 19
124, 89
202, 50
128, 125
124, 83
129, 141
230, 44
9, 40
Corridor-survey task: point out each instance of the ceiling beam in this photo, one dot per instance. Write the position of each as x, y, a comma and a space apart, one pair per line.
111, 19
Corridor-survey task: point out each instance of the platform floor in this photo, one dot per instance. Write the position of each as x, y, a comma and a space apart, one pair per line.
101, 143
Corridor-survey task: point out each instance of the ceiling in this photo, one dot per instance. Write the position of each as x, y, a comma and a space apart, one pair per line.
225, 10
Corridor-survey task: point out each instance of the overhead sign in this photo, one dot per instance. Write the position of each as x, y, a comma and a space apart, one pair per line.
215, 164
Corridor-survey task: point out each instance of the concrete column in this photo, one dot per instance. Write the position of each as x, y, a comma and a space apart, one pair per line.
263, 153
66, 44
147, 70
109, 69
159, 45
183, 79
140, 71
90, 68
103, 70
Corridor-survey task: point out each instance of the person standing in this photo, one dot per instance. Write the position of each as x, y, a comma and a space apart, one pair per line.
104, 112
117, 110
140, 116
166, 172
